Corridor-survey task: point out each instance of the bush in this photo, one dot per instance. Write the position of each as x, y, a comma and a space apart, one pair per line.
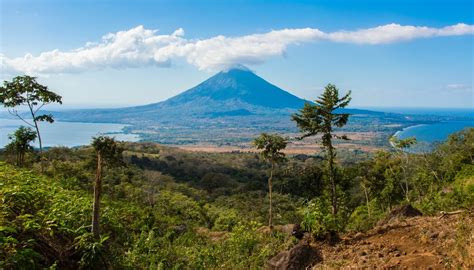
360, 220
457, 195
318, 219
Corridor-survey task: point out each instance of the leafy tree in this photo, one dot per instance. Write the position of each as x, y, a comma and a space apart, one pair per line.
271, 146
321, 118
20, 143
108, 153
26, 91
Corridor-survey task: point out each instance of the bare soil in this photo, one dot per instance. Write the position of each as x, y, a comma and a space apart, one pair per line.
358, 140
445, 242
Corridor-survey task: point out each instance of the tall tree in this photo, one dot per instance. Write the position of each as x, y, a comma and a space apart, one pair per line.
26, 91
107, 153
401, 147
271, 146
20, 143
321, 118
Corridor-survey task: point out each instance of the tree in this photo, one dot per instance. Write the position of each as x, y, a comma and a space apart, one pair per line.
107, 153
401, 146
321, 118
25, 91
20, 143
271, 146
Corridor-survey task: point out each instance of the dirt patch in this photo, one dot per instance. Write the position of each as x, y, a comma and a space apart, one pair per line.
359, 141
410, 243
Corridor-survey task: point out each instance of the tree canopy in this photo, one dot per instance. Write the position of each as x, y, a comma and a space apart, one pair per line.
26, 91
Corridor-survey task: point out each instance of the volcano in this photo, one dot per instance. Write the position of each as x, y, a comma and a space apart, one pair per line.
230, 93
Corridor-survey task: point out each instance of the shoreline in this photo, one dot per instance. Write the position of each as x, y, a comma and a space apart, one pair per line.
397, 133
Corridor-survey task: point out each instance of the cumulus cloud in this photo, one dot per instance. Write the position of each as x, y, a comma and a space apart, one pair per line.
139, 47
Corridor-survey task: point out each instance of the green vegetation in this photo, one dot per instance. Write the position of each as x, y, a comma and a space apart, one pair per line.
20, 144
323, 118
171, 208
26, 91
164, 208
271, 146
107, 153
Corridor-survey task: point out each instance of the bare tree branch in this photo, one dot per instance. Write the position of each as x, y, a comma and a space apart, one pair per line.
15, 113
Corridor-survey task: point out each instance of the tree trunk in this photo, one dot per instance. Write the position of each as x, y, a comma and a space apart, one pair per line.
39, 139
97, 191
270, 186
36, 127
332, 179
407, 187
367, 200
39, 136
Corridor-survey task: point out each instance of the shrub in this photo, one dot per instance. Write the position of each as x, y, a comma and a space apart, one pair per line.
318, 219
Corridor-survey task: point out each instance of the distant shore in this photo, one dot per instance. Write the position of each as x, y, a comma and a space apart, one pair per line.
397, 133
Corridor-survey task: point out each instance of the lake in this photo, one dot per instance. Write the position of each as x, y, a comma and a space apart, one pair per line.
67, 133
433, 132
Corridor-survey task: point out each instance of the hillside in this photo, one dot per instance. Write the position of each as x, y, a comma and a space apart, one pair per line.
170, 208
439, 242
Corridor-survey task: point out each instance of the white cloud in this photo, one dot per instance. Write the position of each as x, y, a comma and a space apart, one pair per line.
458, 86
391, 33
139, 47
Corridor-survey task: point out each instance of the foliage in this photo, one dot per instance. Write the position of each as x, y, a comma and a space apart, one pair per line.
109, 150
172, 209
321, 118
402, 144
360, 220
319, 219
26, 91
271, 146
20, 143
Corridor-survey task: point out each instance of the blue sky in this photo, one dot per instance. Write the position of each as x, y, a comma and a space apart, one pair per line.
400, 65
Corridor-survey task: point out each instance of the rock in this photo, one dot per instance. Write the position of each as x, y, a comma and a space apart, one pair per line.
400, 212
434, 235
297, 231
363, 253
299, 257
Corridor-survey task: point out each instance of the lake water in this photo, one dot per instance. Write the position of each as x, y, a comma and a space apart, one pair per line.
437, 132
457, 112
67, 133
